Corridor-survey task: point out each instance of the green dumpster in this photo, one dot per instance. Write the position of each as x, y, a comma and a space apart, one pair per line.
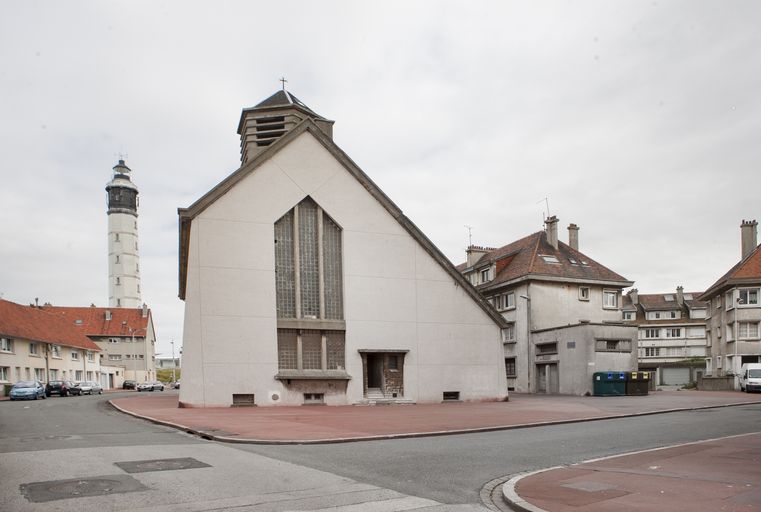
637, 383
609, 383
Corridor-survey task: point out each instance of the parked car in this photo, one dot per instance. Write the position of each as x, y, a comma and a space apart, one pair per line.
58, 387
150, 386
176, 385
27, 390
87, 387
129, 384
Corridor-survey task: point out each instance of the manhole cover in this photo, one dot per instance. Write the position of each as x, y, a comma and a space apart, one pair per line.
145, 466
40, 492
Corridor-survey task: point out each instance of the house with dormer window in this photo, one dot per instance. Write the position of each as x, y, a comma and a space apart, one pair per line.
734, 311
37, 344
672, 334
562, 308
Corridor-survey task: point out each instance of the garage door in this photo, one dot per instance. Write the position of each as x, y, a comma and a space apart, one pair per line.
675, 376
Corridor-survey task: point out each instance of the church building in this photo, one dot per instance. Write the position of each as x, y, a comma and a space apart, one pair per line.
305, 284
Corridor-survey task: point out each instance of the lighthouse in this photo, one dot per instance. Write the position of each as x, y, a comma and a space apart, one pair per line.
123, 256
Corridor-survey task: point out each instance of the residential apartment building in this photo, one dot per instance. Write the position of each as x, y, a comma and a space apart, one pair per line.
125, 337
563, 311
734, 312
672, 334
36, 344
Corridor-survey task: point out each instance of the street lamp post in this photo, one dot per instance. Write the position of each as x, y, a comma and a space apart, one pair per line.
174, 364
528, 339
134, 350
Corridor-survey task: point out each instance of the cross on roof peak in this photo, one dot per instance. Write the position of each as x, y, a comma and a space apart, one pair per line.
284, 81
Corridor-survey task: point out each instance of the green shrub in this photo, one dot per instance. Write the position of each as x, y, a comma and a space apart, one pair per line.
165, 374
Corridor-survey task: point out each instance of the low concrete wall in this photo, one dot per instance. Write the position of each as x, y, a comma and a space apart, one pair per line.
716, 383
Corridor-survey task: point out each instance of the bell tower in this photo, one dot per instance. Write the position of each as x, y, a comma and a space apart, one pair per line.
123, 258
264, 123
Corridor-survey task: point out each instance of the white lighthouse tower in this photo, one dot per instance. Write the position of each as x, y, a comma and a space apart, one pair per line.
123, 259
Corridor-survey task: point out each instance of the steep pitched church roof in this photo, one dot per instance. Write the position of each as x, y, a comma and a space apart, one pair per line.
277, 101
308, 125
746, 271
534, 257
283, 99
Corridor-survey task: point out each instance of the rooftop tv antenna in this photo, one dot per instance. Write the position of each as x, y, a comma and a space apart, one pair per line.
547, 204
470, 234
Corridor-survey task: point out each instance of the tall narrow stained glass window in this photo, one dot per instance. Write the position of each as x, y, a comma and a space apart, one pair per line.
285, 284
309, 261
308, 270
331, 243
309, 287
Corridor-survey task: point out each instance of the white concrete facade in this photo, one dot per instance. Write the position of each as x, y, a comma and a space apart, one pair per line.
734, 331
23, 359
555, 306
133, 354
396, 296
734, 312
672, 335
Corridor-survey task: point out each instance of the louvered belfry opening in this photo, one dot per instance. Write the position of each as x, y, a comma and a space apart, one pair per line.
272, 118
268, 129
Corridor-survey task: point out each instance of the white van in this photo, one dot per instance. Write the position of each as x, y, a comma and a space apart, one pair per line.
750, 377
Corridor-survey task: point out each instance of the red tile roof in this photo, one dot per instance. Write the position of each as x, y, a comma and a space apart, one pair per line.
92, 321
523, 258
39, 324
747, 270
658, 302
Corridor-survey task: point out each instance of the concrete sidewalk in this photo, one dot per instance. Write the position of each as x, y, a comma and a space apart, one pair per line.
722, 474
316, 424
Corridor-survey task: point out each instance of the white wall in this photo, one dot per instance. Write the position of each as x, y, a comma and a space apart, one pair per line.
556, 304
395, 296
20, 359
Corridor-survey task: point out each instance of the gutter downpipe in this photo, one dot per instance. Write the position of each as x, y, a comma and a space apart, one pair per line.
527, 297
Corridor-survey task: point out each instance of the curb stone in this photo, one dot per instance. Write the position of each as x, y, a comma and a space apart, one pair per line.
513, 499
226, 439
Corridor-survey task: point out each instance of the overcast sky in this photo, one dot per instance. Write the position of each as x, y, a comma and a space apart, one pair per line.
640, 121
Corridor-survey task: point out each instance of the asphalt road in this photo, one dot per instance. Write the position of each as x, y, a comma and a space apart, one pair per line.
79, 454
452, 469
55, 442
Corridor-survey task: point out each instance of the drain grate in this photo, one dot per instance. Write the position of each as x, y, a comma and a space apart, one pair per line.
145, 466
40, 492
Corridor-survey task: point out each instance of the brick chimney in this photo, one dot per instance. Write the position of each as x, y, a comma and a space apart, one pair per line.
573, 236
474, 253
748, 236
680, 295
634, 295
145, 310
551, 228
